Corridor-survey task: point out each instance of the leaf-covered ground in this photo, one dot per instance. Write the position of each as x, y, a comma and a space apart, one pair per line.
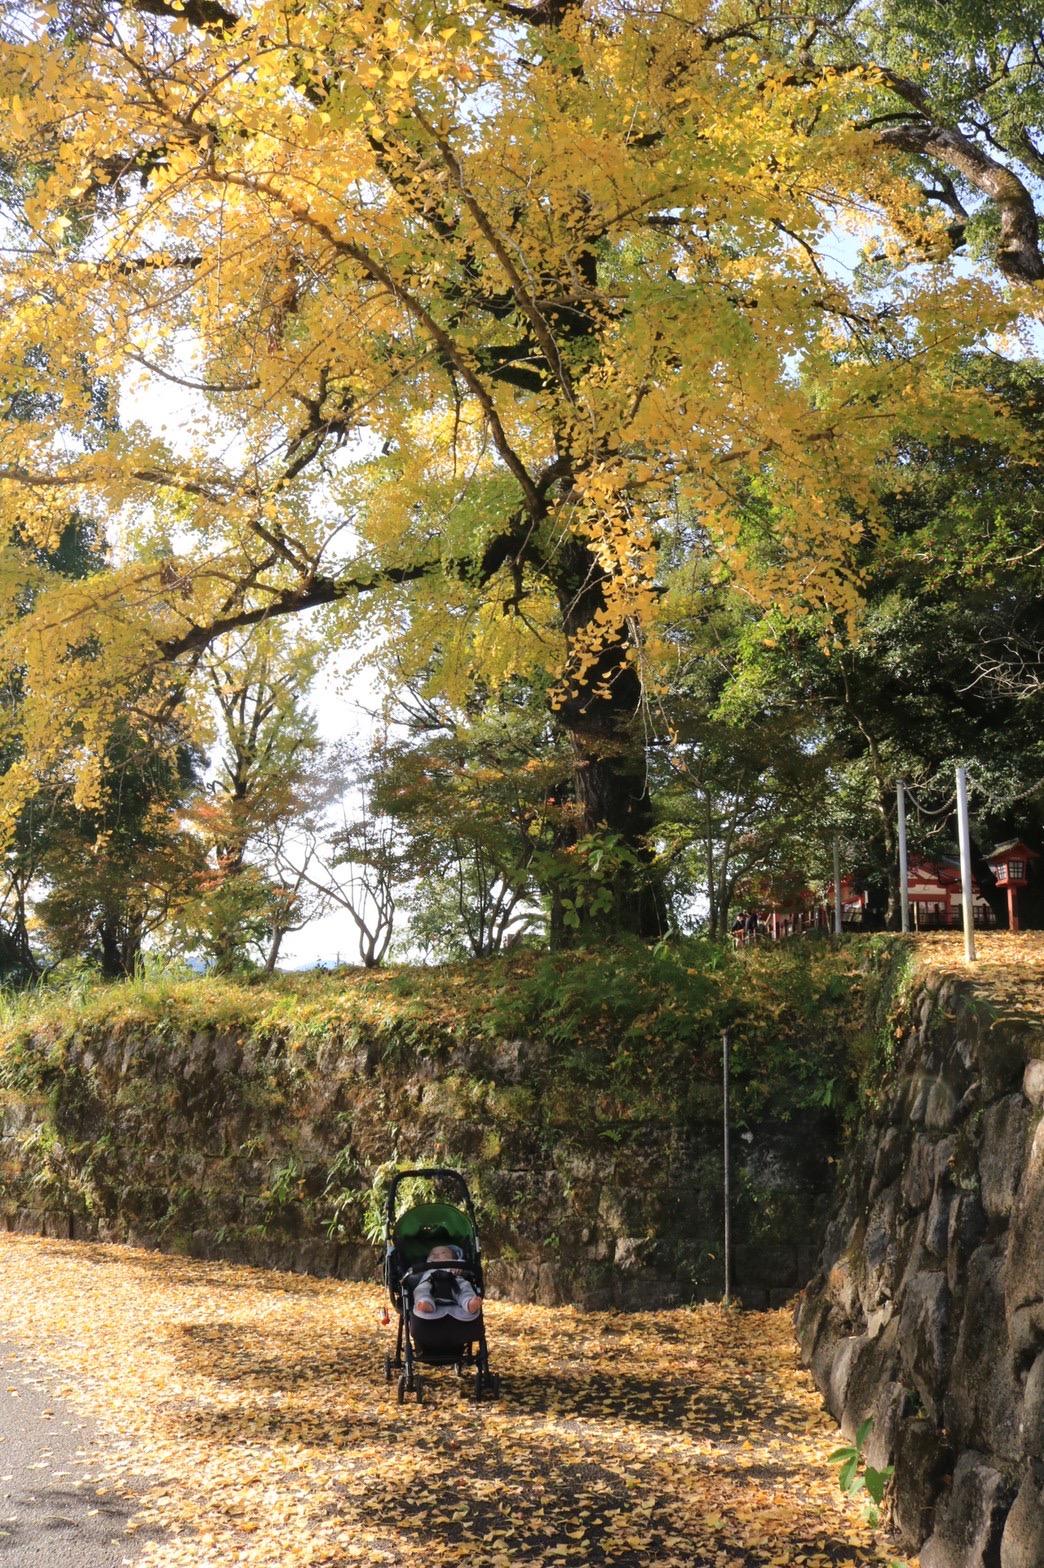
254, 1408
1008, 970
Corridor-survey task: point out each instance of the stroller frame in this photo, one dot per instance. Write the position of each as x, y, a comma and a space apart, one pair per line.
459, 1352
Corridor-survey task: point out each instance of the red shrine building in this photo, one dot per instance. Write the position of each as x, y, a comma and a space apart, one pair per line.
934, 890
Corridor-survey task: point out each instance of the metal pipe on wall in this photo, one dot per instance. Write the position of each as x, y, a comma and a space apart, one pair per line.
904, 878
964, 838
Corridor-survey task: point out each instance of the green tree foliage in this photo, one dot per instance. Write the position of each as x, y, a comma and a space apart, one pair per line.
268, 775
478, 797
740, 795
958, 91
112, 875
944, 664
76, 554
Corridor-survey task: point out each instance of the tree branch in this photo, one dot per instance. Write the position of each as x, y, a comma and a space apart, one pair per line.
1029, 152
1018, 250
289, 601
511, 545
210, 15
374, 269
520, 288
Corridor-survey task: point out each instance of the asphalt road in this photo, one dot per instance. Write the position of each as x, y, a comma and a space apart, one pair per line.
51, 1515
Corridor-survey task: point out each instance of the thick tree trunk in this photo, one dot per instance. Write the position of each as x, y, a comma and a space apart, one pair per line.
601, 713
111, 953
120, 949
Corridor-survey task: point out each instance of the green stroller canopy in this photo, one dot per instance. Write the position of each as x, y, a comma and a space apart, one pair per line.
424, 1218
429, 1224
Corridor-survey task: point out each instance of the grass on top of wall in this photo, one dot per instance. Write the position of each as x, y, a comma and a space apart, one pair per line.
634, 1018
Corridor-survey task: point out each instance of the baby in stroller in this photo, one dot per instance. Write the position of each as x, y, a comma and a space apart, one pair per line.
444, 1290
433, 1271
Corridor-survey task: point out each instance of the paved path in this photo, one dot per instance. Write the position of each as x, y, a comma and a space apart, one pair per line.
50, 1513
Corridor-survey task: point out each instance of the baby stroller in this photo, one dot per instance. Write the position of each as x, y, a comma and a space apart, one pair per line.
445, 1341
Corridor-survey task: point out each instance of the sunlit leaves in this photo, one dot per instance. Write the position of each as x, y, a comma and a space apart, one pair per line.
254, 1408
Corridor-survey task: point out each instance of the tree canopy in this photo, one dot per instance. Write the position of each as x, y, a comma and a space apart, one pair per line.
489, 326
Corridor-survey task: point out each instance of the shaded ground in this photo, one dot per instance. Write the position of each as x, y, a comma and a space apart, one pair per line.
50, 1510
255, 1404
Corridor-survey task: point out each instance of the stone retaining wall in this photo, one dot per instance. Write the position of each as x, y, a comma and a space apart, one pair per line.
927, 1313
223, 1145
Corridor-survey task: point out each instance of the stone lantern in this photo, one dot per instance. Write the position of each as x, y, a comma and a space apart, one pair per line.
1010, 866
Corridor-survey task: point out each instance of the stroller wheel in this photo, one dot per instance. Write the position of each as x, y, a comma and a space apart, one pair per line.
487, 1386
387, 1369
400, 1392
419, 1387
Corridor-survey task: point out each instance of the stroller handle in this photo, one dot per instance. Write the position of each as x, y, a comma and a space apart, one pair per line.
431, 1173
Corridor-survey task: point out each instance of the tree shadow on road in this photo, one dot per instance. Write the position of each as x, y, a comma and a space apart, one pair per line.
558, 1455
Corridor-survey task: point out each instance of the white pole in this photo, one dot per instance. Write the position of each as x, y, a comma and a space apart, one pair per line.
726, 1165
964, 836
837, 887
904, 880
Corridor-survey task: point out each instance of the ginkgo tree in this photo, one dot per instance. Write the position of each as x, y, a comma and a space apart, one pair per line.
470, 306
